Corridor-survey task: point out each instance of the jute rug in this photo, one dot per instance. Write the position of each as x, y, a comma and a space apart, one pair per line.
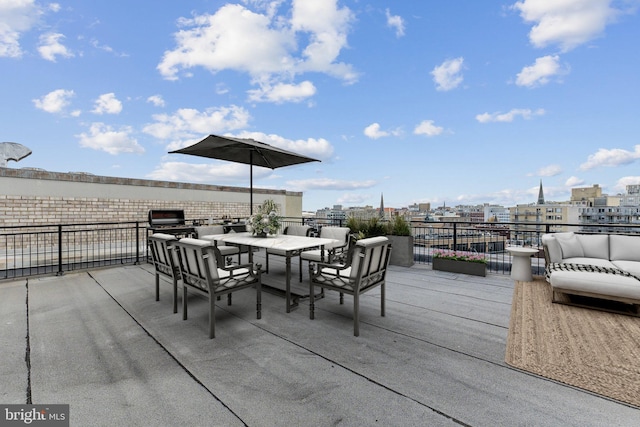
589, 349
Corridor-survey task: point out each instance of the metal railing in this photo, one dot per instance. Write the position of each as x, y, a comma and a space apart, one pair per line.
56, 249
47, 249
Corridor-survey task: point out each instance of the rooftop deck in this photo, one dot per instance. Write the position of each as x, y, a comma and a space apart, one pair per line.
99, 341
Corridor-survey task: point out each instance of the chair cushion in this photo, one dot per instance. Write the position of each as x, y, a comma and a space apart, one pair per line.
206, 247
163, 236
341, 234
297, 230
224, 249
208, 230
313, 255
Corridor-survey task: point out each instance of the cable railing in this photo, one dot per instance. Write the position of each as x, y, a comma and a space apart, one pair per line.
56, 249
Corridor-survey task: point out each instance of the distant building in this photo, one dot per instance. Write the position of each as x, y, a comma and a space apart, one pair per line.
335, 215
618, 210
496, 213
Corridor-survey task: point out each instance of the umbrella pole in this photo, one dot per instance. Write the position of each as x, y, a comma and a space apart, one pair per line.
251, 183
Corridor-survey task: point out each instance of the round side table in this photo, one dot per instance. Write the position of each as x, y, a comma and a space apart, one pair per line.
521, 263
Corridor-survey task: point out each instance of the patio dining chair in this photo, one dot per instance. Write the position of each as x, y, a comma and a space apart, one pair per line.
341, 234
204, 272
365, 268
165, 261
291, 230
225, 250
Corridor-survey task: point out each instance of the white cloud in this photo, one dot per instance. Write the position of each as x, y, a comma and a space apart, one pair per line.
107, 104
213, 172
55, 101
573, 181
156, 100
50, 47
566, 23
353, 198
510, 116
373, 131
396, 22
613, 157
541, 71
428, 128
105, 138
189, 123
16, 18
329, 184
621, 184
320, 148
550, 170
448, 75
265, 46
282, 92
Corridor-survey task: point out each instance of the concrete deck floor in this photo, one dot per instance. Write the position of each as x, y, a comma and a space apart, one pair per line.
99, 341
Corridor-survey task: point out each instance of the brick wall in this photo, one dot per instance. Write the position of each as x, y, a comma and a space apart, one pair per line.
34, 197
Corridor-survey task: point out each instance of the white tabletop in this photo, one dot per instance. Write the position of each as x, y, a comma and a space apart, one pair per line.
520, 251
279, 241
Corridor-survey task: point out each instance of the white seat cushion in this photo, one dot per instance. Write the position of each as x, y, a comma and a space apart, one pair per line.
632, 267
597, 283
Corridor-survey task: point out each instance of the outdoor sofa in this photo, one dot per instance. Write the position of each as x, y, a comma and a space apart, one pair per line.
604, 266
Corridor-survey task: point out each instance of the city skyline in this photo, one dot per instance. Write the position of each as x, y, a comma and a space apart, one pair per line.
422, 102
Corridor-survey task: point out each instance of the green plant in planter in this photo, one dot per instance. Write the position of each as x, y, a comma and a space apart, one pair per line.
363, 229
399, 227
459, 256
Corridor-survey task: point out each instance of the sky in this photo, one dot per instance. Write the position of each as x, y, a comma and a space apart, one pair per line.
441, 101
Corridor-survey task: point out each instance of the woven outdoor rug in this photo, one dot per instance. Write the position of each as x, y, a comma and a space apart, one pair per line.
585, 348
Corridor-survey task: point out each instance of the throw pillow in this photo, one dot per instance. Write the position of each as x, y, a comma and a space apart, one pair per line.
570, 245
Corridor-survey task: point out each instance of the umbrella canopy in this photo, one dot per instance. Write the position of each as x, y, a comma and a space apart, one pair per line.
247, 151
12, 151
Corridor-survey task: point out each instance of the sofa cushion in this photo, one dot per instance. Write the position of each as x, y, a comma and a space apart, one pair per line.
609, 286
632, 267
624, 248
552, 246
594, 245
570, 245
598, 262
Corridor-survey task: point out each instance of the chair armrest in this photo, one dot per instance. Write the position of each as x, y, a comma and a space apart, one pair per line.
315, 268
222, 265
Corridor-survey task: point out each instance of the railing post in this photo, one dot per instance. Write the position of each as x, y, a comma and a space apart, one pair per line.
455, 236
137, 243
60, 272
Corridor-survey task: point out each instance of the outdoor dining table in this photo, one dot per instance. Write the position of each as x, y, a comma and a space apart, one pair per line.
291, 245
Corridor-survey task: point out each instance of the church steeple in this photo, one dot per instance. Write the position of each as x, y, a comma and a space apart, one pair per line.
540, 195
381, 206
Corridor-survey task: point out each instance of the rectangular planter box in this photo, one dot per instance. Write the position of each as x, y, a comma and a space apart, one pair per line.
463, 267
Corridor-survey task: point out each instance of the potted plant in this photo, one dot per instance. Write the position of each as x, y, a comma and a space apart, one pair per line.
266, 220
398, 231
460, 262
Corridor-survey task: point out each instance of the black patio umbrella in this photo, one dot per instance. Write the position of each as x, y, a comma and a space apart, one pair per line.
247, 151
